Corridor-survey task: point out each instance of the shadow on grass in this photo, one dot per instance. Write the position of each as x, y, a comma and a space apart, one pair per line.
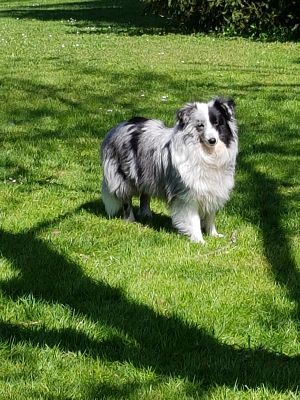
168, 345
158, 222
269, 213
98, 16
61, 103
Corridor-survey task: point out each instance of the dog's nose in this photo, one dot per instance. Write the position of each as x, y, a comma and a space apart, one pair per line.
212, 141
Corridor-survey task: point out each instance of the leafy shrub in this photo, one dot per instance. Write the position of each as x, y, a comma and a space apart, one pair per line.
235, 17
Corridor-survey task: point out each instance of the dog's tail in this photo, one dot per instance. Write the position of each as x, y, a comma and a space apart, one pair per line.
111, 202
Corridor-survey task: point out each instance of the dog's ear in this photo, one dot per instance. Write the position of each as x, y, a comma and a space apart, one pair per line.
183, 114
226, 107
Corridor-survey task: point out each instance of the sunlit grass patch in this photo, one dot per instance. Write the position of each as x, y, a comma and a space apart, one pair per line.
93, 307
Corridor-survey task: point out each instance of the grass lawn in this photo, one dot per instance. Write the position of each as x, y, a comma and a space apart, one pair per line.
92, 308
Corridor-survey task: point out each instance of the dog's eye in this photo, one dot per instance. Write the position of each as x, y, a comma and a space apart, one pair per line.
200, 125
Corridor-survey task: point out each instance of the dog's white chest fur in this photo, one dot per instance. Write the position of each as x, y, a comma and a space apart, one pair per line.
208, 174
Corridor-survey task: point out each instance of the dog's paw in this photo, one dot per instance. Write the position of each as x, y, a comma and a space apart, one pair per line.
196, 239
217, 235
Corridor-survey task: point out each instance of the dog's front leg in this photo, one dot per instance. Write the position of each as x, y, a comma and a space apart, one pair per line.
209, 225
185, 218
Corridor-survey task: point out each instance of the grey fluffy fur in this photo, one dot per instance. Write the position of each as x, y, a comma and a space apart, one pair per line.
190, 166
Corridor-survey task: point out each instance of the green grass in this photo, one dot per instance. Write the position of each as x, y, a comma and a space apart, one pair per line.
93, 308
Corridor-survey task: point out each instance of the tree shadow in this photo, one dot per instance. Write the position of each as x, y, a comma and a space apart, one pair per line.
192, 352
158, 222
60, 103
97, 16
123, 105
166, 344
270, 209
261, 192
270, 224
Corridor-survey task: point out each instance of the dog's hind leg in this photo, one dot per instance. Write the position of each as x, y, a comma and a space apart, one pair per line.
111, 202
144, 211
128, 211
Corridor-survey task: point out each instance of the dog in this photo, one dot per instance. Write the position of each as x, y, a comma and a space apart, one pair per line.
191, 166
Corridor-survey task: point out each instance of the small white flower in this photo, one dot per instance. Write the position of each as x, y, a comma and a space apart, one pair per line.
164, 98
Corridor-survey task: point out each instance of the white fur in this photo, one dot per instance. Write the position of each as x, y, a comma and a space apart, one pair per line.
189, 166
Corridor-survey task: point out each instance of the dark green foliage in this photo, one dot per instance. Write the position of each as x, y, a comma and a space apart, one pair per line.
269, 18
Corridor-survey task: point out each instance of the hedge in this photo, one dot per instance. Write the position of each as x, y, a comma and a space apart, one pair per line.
234, 17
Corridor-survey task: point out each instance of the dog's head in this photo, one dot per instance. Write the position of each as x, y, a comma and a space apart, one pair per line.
209, 122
